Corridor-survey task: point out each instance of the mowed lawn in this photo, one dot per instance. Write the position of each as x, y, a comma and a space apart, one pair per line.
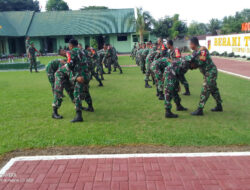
125, 113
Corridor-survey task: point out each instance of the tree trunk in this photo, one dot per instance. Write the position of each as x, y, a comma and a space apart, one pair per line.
141, 37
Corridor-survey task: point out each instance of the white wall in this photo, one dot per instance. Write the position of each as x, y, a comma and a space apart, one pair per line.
237, 43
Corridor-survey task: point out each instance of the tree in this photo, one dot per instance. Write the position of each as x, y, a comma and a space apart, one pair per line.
213, 26
170, 27
94, 7
143, 22
232, 24
19, 5
57, 5
196, 29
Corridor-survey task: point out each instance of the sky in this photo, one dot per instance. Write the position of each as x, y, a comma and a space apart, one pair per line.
189, 10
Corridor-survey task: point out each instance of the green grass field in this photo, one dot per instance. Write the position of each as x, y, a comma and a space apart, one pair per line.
126, 113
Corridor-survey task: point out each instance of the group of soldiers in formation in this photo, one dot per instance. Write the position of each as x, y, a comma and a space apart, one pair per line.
75, 73
167, 69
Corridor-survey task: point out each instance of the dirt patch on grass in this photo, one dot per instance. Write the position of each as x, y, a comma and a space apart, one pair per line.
129, 149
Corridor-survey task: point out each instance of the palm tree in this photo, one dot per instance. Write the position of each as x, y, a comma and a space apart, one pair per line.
143, 22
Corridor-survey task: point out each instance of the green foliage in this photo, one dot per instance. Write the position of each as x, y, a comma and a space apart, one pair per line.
144, 22
215, 53
94, 43
94, 8
213, 26
232, 24
19, 5
231, 54
170, 27
57, 5
196, 29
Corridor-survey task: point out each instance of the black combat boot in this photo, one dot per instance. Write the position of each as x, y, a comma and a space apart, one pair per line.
187, 93
100, 83
179, 107
161, 96
121, 71
114, 70
198, 112
157, 92
147, 85
55, 114
78, 117
169, 114
218, 108
89, 108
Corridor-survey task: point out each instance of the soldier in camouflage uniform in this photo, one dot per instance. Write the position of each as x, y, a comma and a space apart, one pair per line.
32, 56
137, 56
107, 59
115, 59
133, 52
209, 70
149, 59
175, 55
171, 84
158, 67
141, 58
99, 67
76, 70
92, 59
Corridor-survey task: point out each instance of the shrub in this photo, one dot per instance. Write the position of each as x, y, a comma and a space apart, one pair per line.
215, 53
244, 56
93, 43
231, 54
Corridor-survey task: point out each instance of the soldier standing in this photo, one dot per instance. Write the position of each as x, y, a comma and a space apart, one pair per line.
107, 59
115, 59
209, 70
149, 60
175, 55
32, 56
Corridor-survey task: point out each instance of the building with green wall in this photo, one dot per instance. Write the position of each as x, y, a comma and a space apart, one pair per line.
52, 30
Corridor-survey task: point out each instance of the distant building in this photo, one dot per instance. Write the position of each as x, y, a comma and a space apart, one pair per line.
52, 30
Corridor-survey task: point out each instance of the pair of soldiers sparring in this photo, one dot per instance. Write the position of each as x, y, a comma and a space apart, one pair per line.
74, 77
110, 57
92, 62
201, 59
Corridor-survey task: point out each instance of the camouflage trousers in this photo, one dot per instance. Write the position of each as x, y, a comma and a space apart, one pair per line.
99, 69
149, 72
171, 88
109, 63
74, 91
210, 87
33, 63
143, 64
183, 81
65, 84
93, 73
85, 94
116, 64
137, 60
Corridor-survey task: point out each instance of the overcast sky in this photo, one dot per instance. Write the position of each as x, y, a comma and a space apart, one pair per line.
189, 10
